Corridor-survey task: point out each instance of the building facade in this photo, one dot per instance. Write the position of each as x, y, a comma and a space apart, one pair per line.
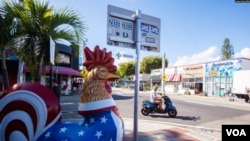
181, 79
64, 70
219, 74
213, 78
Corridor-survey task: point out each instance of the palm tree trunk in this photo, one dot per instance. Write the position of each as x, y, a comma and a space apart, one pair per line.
37, 75
6, 82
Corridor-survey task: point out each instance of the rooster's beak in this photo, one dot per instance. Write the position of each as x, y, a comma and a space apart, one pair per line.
112, 76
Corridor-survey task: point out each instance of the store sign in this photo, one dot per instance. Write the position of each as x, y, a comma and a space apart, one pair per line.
10, 54
193, 67
63, 58
156, 72
223, 68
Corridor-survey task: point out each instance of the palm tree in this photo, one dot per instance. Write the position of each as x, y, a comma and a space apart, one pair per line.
41, 24
7, 30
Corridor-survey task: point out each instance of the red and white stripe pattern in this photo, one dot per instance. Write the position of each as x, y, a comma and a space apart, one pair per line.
173, 77
27, 111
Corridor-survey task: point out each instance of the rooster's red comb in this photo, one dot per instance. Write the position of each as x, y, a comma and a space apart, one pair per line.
98, 58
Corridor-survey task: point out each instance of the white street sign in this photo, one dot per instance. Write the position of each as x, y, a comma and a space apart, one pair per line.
121, 29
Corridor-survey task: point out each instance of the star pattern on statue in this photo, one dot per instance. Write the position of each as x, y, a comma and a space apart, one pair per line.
103, 119
91, 127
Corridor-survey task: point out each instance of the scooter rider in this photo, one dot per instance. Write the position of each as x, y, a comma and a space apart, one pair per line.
155, 98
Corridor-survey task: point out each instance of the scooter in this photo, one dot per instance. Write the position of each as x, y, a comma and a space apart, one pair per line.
149, 107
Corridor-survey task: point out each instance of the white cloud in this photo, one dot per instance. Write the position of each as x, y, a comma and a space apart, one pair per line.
121, 60
245, 52
204, 56
211, 54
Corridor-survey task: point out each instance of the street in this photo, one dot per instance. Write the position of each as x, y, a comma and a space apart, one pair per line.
192, 110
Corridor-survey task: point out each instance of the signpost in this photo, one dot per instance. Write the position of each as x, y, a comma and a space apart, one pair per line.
136, 31
163, 74
121, 27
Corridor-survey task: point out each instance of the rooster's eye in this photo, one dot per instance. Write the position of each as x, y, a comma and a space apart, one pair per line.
103, 70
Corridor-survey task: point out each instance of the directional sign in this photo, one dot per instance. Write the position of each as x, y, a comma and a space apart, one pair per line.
121, 29
118, 55
127, 56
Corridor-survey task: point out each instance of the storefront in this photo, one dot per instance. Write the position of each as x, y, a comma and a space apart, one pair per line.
192, 78
173, 79
64, 70
179, 79
218, 74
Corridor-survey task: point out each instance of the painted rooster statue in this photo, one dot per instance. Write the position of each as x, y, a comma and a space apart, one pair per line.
31, 112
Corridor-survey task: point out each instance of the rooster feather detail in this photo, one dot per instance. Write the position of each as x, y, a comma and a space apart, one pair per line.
99, 63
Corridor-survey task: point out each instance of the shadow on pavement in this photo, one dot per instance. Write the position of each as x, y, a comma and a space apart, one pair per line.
191, 118
121, 97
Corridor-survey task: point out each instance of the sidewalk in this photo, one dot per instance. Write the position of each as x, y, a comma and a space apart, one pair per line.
159, 131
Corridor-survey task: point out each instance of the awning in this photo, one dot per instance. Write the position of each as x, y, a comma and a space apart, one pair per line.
174, 77
58, 70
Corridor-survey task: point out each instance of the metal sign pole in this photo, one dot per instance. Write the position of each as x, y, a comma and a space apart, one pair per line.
137, 71
163, 75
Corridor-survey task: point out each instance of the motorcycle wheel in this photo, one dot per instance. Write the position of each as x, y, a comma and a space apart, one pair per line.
172, 113
145, 111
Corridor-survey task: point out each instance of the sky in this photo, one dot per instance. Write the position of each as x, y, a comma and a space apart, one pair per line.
192, 31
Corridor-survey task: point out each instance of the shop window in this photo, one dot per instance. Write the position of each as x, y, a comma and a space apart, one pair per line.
191, 79
184, 79
229, 80
188, 86
223, 80
209, 79
199, 79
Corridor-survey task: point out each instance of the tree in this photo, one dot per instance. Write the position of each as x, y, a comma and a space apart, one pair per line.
151, 62
227, 50
8, 27
40, 24
126, 68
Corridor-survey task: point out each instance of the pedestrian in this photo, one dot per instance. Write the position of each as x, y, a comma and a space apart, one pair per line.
56, 89
156, 98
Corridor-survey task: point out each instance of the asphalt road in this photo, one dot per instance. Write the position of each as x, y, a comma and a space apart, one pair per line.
192, 110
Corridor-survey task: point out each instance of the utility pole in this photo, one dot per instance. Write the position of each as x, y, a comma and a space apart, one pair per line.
137, 72
163, 74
